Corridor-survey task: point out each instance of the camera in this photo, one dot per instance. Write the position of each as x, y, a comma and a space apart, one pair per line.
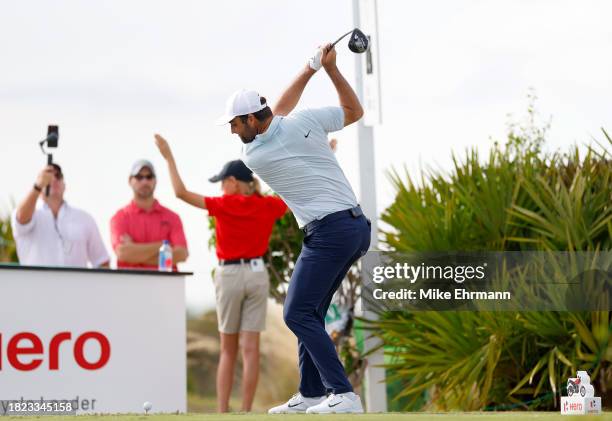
52, 141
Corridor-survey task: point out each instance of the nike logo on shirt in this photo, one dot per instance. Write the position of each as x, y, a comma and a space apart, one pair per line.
307, 134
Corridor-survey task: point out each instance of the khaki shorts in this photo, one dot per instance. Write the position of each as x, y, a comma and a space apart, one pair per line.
242, 298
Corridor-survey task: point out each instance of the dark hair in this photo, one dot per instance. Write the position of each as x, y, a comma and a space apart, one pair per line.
58, 171
260, 115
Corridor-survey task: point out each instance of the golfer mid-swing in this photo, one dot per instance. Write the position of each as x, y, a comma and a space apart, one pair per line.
290, 152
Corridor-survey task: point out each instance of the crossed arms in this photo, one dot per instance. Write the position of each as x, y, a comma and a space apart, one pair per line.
146, 253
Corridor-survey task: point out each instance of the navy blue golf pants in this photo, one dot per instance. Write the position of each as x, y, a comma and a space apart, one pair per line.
331, 245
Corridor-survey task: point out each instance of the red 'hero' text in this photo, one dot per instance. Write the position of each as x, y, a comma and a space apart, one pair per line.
25, 351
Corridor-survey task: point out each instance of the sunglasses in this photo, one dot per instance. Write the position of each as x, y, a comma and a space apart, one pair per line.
142, 177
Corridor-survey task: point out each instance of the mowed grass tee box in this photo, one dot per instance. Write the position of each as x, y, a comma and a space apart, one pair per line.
480, 416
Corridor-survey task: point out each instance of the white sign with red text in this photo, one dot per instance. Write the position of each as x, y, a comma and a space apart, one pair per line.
107, 340
577, 405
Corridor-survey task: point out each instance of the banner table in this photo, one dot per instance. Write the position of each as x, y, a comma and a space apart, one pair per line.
106, 340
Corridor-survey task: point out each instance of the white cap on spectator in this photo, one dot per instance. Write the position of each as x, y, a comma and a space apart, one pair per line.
139, 165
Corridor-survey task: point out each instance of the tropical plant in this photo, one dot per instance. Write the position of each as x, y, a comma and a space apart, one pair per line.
519, 199
283, 250
8, 249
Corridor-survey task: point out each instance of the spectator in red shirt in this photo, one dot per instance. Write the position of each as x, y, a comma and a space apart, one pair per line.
244, 220
138, 229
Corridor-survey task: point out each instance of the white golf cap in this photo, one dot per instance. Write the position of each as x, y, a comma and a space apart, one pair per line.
139, 165
241, 102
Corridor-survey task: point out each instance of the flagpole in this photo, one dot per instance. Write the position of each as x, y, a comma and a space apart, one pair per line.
375, 385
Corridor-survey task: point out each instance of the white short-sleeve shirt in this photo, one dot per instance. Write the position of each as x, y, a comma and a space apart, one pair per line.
294, 158
73, 239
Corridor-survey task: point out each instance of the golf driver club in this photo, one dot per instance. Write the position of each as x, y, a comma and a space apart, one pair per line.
358, 42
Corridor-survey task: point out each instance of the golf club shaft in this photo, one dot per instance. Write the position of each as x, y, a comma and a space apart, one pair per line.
340, 39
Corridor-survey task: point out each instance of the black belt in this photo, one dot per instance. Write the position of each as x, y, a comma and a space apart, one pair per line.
236, 261
355, 212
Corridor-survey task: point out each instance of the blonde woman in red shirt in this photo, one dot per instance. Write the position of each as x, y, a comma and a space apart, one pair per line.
243, 222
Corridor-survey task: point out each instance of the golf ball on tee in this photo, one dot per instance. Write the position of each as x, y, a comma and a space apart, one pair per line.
147, 406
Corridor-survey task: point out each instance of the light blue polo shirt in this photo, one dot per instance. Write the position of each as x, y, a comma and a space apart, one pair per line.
294, 158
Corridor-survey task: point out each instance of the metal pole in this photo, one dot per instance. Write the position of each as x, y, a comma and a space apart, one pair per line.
375, 385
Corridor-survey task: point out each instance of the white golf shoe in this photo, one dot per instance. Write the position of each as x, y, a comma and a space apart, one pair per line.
297, 404
341, 403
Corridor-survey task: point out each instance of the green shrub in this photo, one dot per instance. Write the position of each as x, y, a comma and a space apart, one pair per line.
8, 249
520, 198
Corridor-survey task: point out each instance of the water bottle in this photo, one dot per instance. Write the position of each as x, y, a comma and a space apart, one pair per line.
165, 257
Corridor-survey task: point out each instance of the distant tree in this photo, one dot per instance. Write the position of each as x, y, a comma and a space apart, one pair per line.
8, 250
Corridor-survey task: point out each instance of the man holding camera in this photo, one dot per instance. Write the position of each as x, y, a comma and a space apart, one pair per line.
54, 233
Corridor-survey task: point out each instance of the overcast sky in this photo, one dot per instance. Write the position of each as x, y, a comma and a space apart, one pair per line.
112, 73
